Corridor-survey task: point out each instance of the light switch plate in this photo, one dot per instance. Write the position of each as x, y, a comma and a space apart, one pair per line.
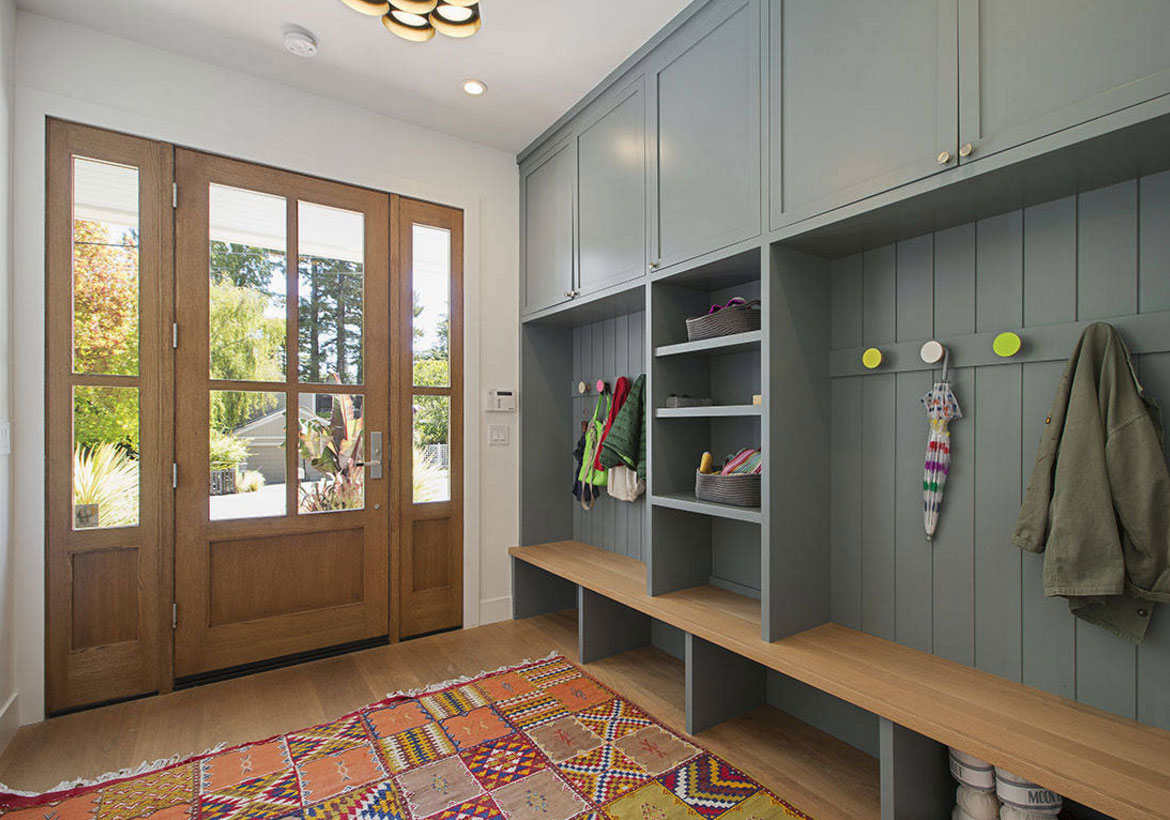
498, 435
5, 438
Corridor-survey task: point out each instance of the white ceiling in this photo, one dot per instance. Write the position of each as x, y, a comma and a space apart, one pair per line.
538, 57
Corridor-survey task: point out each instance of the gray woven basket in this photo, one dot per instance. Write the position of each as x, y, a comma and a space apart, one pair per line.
741, 489
724, 322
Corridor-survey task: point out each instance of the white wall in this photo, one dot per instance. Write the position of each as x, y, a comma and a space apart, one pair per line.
9, 706
81, 75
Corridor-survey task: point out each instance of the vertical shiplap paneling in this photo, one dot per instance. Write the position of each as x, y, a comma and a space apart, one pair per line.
621, 365
999, 289
845, 533
845, 428
1106, 674
878, 397
581, 408
606, 350
846, 299
1154, 233
1104, 253
879, 288
1153, 656
1048, 629
913, 557
1107, 251
953, 589
1050, 262
999, 273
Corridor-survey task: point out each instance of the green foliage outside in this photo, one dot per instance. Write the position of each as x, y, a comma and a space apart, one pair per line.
330, 311
106, 475
432, 368
228, 452
333, 446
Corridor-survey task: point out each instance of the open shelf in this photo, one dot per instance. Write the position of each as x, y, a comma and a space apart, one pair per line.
714, 411
688, 503
733, 343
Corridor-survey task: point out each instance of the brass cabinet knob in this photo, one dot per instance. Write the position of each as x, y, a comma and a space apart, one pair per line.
967, 150
944, 157
653, 266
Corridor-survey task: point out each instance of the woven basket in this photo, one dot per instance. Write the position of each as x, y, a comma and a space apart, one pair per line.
735, 319
741, 490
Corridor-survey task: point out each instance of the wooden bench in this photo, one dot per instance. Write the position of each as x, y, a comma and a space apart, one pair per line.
1112, 764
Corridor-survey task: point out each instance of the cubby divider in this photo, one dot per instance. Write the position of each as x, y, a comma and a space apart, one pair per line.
916, 782
720, 684
537, 592
605, 627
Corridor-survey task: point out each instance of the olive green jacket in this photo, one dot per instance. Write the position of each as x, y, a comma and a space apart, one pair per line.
1098, 502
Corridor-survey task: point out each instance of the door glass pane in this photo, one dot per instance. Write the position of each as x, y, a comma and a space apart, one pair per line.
105, 457
431, 280
248, 454
105, 268
432, 449
330, 289
247, 318
332, 445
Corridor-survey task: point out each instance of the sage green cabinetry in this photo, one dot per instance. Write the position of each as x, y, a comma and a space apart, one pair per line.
611, 162
1030, 69
863, 99
705, 114
548, 198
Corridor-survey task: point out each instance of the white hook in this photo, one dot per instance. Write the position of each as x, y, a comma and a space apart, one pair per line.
933, 352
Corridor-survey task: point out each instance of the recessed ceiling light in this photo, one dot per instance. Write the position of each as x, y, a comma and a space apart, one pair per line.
474, 87
300, 42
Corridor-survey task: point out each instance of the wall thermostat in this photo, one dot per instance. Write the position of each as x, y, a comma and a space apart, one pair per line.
501, 401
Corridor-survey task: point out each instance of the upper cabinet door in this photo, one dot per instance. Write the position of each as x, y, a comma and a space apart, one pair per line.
1029, 69
611, 170
863, 99
548, 196
706, 175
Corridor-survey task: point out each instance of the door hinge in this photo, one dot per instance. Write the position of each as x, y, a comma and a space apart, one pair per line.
174, 195
174, 335
174, 475
174, 616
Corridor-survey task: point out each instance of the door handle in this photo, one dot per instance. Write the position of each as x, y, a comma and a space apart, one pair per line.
374, 462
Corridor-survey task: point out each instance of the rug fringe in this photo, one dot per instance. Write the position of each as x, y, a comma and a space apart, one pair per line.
145, 767
447, 684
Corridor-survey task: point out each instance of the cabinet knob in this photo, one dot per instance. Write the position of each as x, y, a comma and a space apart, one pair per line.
568, 294
967, 150
944, 157
653, 266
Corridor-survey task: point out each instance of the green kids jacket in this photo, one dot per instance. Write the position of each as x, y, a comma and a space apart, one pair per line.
1098, 502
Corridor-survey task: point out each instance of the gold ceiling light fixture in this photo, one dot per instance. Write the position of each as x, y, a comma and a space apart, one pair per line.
409, 26
374, 8
418, 20
456, 18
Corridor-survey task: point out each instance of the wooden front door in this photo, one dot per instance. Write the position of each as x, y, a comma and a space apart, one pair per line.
108, 305
428, 416
283, 506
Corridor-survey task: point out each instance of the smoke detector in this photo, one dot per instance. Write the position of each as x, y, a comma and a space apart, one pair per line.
300, 42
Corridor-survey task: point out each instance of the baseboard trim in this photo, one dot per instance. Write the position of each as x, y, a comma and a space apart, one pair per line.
492, 610
9, 720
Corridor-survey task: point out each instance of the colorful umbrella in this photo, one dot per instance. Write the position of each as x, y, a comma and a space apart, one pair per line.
941, 408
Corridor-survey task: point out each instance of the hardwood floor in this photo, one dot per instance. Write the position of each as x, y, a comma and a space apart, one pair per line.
815, 772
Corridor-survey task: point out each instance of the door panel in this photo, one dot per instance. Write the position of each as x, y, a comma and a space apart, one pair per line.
1032, 69
429, 416
612, 194
547, 225
707, 103
850, 120
283, 297
108, 442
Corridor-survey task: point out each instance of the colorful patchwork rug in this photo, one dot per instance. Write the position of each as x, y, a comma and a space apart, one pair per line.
542, 741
